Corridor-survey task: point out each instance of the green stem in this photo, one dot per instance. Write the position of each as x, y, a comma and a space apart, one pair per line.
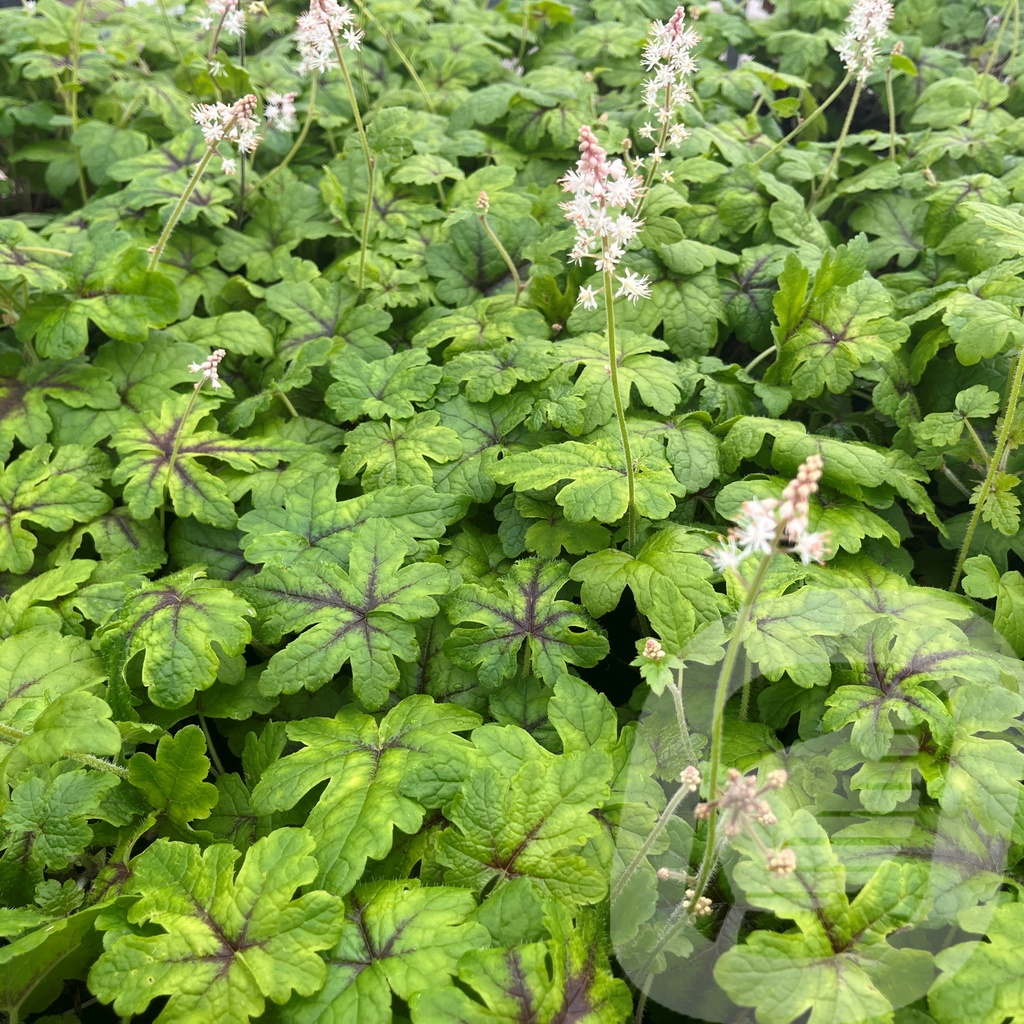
837, 152
399, 53
759, 358
216, 36
177, 446
645, 847
287, 403
296, 146
504, 255
9, 732
43, 248
620, 412
995, 46
977, 441
676, 689
526, 29
890, 101
367, 156
218, 768
161, 243
994, 464
718, 719
807, 121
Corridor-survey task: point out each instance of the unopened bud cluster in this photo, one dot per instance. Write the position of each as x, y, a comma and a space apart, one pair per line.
317, 31
235, 122
773, 524
866, 26
599, 187
208, 369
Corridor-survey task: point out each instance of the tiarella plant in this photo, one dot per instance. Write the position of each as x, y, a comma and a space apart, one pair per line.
400, 621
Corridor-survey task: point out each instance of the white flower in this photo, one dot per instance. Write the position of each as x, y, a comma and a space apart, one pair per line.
208, 369
316, 31
279, 111
633, 286
29, 7
216, 68
668, 55
866, 26
229, 166
234, 23
727, 555
222, 122
588, 297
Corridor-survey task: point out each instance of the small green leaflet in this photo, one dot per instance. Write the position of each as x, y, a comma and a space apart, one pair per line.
837, 965
229, 942
398, 937
523, 607
381, 777
565, 978
50, 492
597, 487
362, 616
175, 624
174, 783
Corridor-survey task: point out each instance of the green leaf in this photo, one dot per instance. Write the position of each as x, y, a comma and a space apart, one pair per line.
396, 452
528, 819
362, 616
980, 327
175, 624
313, 524
228, 942
146, 451
118, 293
1002, 507
522, 607
497, 370
174, 783
51, 492
837, 967
21, 611
383, 387
566, 978
45, 826
381, 777
982, 981
398, 937
598, 488
669, 578
239, 332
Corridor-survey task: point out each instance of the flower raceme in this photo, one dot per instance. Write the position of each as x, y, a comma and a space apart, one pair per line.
600, 187
235, 122
866, 26
668, 54
773, 524
208, 369
316, 33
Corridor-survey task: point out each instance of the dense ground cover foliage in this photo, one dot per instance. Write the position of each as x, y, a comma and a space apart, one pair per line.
376, 385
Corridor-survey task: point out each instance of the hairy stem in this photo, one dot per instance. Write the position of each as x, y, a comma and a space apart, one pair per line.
620, 412
504, 255
837, 152
994, 465
183, 199
891, 104
676, 689
807, 121
218, 768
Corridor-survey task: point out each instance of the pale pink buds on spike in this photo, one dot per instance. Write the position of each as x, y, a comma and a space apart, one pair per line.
689, 777
668, 54
771, 524
483, 202
782, 862
600, 186
700, 908
208, 369
866, 26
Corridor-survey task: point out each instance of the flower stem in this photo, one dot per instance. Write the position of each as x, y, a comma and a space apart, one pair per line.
620, 412
296, 146
218, 768
504, 255
676, 689
994, 466
9, 732
183, 199
891, 103
837, 152
759, 358
367, 156
718, 719
807, 121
